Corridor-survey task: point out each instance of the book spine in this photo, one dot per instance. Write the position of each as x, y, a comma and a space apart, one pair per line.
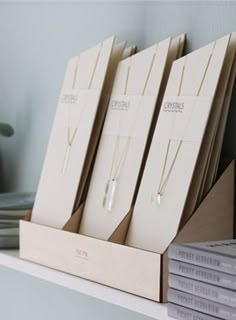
202, 305
204, 290
202, 274
181, 313
202, 258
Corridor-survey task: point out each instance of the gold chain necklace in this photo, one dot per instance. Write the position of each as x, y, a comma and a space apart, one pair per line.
164, 179
112, 181
71, 135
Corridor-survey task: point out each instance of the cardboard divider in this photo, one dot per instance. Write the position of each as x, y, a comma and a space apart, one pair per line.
73, 223
120, 233
27, 217
136, 271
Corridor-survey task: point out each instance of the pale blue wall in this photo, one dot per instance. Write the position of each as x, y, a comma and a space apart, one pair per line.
36, 40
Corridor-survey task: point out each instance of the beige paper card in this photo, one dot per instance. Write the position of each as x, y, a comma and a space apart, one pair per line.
223, 98
123, 141
175, 147
115, 58
203, 168
155, 217
223, 120
70, 135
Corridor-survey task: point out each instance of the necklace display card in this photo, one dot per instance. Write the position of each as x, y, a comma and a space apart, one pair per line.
137, 114
124, 137
70, 135
162, 220
183, 117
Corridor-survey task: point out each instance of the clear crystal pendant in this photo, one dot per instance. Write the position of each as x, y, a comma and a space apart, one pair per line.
156, 198
105, 195
109, 194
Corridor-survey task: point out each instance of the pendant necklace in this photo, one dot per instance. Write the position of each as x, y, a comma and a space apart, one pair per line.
71, 133
165, 176
118, 161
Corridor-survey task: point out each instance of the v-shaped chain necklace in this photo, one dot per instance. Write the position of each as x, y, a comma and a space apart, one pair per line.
118, 161
71, 133
165, 176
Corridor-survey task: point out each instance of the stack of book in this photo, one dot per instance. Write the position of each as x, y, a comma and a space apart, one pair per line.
202, 280
13, 207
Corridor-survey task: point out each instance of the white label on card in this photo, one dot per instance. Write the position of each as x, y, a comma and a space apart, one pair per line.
183, 117
129, 116
73, 106
69, 97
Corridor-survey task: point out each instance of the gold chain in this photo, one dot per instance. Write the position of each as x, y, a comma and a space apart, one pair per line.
115, 170
164, 180
125, 149
71, 135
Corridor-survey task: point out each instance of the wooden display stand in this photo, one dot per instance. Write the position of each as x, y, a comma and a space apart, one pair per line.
136, 271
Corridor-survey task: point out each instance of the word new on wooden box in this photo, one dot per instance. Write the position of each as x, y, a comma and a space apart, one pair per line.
136, 271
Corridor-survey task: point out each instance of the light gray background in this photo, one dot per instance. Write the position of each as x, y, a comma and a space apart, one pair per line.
36, 40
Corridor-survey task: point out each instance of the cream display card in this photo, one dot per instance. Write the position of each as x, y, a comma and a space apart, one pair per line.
224, 94
129, 116
116, 57
123, 141
217, 148
217, 115
128, 52
114, 196
175, 147
201, 178
164, 186
70, 135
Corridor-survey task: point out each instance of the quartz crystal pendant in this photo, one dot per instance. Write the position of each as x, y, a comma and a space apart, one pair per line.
156, 198
109, 195
105, 194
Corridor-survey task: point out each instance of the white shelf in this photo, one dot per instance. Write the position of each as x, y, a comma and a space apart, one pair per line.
10, 259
